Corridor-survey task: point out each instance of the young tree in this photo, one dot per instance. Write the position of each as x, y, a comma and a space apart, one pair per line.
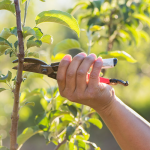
65, 123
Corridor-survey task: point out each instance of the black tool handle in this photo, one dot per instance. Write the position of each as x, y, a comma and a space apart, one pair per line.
55, 66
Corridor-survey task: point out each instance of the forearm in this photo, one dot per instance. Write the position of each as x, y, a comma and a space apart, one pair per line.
131, 131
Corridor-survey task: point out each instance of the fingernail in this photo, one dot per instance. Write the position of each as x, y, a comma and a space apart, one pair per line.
67, 57
99, 59
83, 54
93, 55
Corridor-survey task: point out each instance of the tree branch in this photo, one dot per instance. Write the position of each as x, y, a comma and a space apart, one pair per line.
15, 115
60, 144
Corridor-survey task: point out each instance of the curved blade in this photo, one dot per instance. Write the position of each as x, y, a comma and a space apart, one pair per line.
37, 68
32, 60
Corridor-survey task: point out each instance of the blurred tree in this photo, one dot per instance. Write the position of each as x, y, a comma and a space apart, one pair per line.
107, 24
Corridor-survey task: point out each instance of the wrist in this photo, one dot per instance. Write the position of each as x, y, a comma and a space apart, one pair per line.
108, 108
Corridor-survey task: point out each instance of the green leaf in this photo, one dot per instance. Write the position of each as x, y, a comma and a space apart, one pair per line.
3, 48
32, 43
120, 55
42, 121
133, 33
143, 18
7, 5
33, 54
85, 134
97, 3
26, 134
13, 30
66, 45
77, 6
93, 144
8, 51
72, 109
36, 92
96, 28
72, 146
12, 54
69, 132
144, 35
55, 114
23, 1
40, 117
96, 122
81, 144
30, 104
6, 78
36, 32
6, 33
4, 42
68, 118
16, 44
42, 0
47, 39
3, 148
64, 146
60, 17
9, 76
2, 89
28, 31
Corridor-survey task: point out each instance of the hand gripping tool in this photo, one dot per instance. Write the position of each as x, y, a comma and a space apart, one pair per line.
38, 66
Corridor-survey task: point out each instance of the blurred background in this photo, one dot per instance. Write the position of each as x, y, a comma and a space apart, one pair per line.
136, 95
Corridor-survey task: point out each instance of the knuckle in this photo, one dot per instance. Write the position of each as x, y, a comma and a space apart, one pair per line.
67, 92
60, 78
79, 57
81, 72
93, 75
64, 64
90, 58
70, 74
97, 66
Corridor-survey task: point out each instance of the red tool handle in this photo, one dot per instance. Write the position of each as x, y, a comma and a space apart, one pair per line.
103, 80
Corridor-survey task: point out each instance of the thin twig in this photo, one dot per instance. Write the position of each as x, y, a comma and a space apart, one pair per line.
90, 41
15, 115
110, 43
60, 144
25, 13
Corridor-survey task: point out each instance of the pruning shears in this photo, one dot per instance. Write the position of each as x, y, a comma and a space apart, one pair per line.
38, 66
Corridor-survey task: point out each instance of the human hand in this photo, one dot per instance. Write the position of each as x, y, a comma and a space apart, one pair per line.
76, 87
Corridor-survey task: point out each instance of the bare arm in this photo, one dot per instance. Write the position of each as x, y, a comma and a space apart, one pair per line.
131, 131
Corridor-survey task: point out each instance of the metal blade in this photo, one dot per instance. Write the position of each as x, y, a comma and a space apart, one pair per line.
116, 81
32, 60
37, 68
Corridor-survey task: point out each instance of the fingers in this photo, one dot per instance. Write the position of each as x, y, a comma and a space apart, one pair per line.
61, 73
94, 75
82, 72
72, 71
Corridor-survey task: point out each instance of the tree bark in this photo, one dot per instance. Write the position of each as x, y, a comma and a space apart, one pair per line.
15, 115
